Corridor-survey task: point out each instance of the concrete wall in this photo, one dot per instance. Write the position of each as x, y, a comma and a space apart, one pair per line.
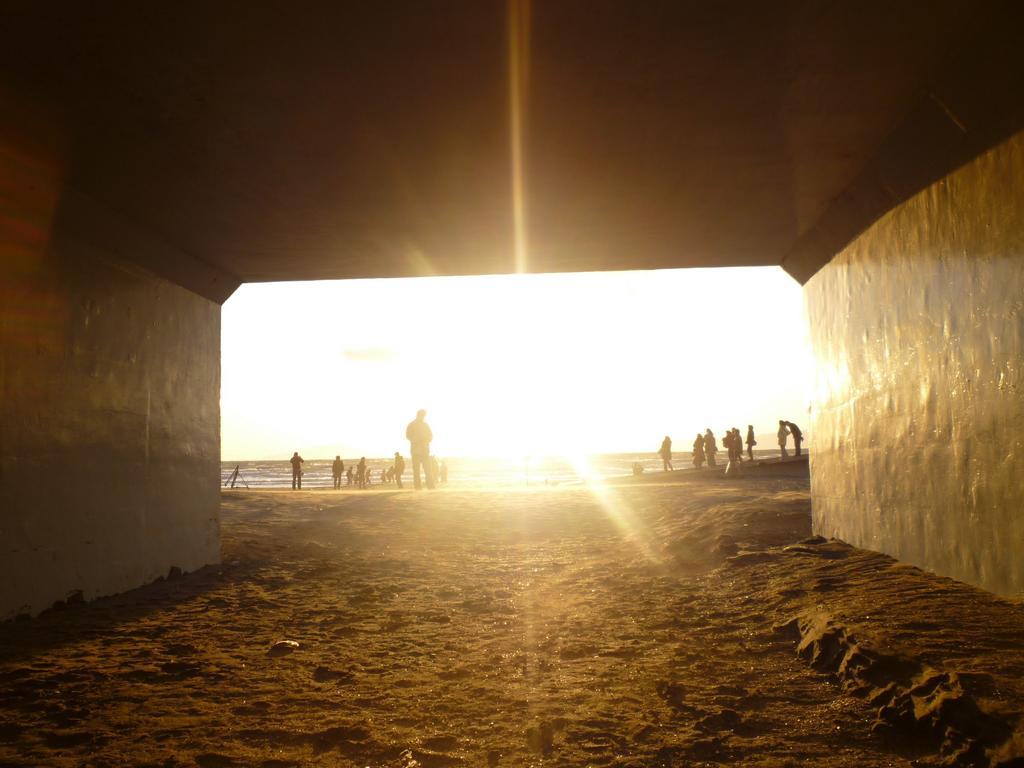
918, 416
109, 404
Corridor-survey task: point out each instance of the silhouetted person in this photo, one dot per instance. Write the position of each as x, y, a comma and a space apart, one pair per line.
710, 447
399, 468
296, 461
361, 473
783, 434
751, 442
419, 435
348, 474
698, 451
337, 470
638, 469
666, 454
443, 472
729, 443
798, 436
734, 442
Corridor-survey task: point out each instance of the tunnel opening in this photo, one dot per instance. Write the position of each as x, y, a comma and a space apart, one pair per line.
526, 378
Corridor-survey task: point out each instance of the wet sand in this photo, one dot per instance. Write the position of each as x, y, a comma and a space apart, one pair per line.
648, 625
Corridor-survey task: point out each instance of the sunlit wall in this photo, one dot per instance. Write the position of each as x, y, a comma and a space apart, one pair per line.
109, 422
917, 328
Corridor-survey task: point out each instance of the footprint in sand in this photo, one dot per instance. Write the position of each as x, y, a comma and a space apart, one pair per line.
215, 760
328, 675
256, 708
540, 738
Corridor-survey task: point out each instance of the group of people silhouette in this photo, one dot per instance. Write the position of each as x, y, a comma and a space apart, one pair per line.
705, 446
419, 435
362, 476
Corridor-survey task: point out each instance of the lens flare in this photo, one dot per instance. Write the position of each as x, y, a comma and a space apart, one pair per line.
518, 79
616, 507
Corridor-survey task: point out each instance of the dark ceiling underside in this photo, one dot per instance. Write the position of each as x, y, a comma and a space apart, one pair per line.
290, 141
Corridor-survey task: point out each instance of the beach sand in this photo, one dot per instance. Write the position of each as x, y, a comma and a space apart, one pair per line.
646, 625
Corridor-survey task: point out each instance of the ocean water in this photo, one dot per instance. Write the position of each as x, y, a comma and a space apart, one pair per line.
466, 472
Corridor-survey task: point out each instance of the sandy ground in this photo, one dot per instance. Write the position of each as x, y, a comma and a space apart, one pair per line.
649, 625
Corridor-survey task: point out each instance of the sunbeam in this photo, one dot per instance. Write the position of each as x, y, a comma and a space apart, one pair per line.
617, 509
518, 79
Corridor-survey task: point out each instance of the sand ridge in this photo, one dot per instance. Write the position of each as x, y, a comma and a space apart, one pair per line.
631, 627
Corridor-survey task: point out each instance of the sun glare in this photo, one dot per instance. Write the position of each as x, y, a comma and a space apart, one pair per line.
515, 366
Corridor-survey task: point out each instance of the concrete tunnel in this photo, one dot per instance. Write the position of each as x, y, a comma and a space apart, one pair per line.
155, 156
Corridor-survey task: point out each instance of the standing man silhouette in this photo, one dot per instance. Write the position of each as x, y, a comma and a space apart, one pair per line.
296, 461
710, 447
337, 470
751, 442
666, 454
783, 435
419, 435
399, 468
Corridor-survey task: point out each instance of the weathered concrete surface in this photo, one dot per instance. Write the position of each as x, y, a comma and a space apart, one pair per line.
918, 414
109, 405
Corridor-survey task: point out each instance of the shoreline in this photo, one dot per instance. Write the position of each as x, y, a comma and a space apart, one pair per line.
464, 476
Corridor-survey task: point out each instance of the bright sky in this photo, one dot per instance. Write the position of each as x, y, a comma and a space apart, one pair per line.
515, 366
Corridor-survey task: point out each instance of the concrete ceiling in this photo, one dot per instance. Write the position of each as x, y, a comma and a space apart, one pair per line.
308, 140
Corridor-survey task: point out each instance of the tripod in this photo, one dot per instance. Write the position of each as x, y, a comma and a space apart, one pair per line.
236, 477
